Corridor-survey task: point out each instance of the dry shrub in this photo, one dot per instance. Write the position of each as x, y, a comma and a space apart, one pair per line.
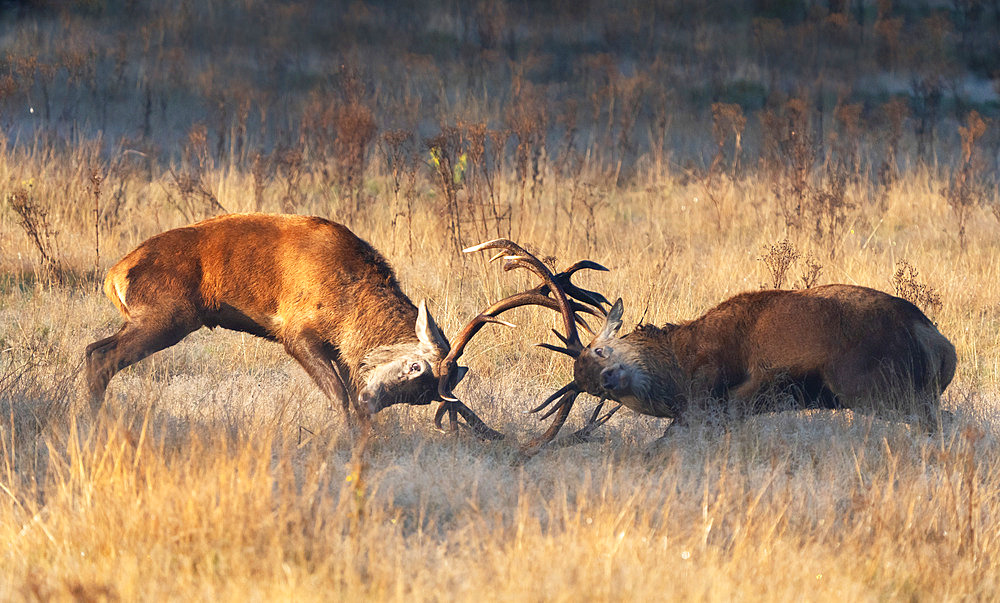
398, 150
894, 114
447, 158
829, 208
96, 178
317, 126
34, 220
195, 155
846, 138
261, 170
906, 283
483, 169
527, 120
194, 198
568, 162
778, 258
288, 165
789, 154
356, 131
810, 274
965, 191
728, 123
336, 132
243, 105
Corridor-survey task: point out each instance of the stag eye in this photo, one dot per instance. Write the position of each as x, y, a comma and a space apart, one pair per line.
414, 367
601, 352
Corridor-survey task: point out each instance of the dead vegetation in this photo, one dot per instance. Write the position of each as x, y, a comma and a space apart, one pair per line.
219, 472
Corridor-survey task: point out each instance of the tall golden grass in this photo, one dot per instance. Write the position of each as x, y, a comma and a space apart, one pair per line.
218, 472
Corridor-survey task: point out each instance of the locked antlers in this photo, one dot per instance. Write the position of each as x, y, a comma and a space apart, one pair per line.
566, 298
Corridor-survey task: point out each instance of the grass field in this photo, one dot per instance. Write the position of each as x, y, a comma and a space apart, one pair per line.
220, 473
217, 470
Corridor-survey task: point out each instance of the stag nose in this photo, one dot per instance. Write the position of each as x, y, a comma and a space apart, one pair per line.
370, 402
609, 379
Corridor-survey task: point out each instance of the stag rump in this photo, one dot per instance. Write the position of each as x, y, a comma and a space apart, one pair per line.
329, 297
836, 346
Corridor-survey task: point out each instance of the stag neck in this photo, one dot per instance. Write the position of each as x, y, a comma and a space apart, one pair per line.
396, 327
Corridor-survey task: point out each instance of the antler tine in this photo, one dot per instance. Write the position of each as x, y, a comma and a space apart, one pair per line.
584, 265
561, 350
565, 405
578, 307
473, 422
591, 297
565, 304
595, 421
515, 254
565, 399
586, 296
562, 390
518, 257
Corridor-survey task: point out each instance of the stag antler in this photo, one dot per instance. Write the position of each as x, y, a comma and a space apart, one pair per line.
567, 298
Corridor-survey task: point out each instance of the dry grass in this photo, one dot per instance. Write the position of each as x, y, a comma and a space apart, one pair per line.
694, 152
219, 472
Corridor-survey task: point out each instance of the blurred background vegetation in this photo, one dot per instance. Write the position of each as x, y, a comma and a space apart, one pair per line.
492, 114
234, 81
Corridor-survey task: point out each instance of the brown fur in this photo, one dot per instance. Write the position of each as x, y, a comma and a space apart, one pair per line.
311, 284
831, 346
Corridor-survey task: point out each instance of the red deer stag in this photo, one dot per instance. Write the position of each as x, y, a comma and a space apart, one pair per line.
329, 297
836, 346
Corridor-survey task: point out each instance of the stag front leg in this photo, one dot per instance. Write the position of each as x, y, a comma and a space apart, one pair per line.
133, 342
311, 352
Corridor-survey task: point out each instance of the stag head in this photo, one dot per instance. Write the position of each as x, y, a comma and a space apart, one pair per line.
406, 373
623, 369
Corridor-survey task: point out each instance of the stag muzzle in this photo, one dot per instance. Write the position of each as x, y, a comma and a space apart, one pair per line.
609, 379
372, 403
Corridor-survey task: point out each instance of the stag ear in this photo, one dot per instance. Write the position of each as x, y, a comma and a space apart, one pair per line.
428, 332
613, 322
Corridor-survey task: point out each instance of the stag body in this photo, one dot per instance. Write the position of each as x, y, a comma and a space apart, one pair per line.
832, 346
311, 284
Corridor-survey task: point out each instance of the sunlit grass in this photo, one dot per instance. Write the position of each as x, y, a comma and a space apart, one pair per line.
218, 471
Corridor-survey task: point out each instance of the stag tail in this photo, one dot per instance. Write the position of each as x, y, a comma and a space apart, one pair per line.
556, 292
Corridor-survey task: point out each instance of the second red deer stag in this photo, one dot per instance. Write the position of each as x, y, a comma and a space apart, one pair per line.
835, 346
329, 297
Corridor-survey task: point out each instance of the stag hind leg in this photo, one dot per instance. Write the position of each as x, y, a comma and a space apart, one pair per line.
133, 342
313, 353
889, 394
